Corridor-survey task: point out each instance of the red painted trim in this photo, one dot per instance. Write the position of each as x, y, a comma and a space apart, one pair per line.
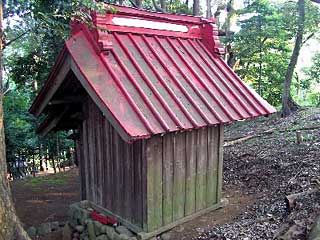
143, 96
215, 114
47, 84
91, 36
146, 31
210, 38
224, 83
200, 80
227, 68
182, 89
198, 27
90, 83
210, 79
127, 95
232, 80
165, 85
150, 85
171, 94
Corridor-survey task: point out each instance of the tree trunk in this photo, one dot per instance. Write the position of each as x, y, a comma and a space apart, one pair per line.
138, 3
288, 105
58, 154
53, 163
10, 227
33, 164
159, 9
47, 157
229, 56
208, 12
41, 156
163, 5
196, 7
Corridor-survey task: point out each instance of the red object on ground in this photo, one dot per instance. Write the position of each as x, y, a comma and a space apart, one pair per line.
103, 219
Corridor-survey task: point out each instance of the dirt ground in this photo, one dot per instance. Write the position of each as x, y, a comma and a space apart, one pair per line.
46, 198
263, 164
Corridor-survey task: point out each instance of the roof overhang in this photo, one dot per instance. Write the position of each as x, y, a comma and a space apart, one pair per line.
64, 66
149, 81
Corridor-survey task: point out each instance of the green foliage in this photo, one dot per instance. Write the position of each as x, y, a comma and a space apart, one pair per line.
267, 31
36, 31
312, 81
313, 72
263, 39
42, 182
19, 125
177, 6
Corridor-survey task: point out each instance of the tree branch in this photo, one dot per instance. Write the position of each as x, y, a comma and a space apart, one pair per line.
17, 38
310, 36
133, 3
157, 7
225, 33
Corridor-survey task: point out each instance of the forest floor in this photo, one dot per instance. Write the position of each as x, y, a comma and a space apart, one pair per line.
271, 181
46, 198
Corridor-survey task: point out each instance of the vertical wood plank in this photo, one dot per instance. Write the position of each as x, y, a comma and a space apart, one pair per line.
101, 147
136, 191
212, 169
105, 148
201, 182
191, 161
154, 182
96, 137
167, 168
86, 156
108, 177
220, 162
127, 179
92, 152
120, 173
116, 191
80, 159
179, 176
144, 186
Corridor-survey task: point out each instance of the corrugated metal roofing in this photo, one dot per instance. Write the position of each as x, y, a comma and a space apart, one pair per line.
154, 83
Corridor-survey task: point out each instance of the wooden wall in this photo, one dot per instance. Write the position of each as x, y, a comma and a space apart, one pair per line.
110, 169
184, 174
150, 183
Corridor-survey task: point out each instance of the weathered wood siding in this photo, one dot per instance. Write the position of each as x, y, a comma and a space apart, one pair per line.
183, 174
149, 183
110, 169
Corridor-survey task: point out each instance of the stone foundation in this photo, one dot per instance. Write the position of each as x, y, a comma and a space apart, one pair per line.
82, 227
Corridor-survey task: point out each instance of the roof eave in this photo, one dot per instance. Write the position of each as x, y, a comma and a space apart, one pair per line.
42, 99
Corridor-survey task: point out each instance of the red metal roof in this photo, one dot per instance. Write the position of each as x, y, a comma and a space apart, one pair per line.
155, 81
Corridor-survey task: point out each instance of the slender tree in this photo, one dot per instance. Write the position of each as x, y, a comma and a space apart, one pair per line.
162, 7
196, 7
138, 3
209, 11
10, 227
288, 105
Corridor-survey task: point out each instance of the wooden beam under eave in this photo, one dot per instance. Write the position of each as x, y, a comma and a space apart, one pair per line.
44, 130
66, 100
60, 75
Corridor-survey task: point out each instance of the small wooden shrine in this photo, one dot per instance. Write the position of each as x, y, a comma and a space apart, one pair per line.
148, 98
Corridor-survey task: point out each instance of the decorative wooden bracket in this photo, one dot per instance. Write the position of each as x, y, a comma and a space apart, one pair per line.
210, 37
104, 39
